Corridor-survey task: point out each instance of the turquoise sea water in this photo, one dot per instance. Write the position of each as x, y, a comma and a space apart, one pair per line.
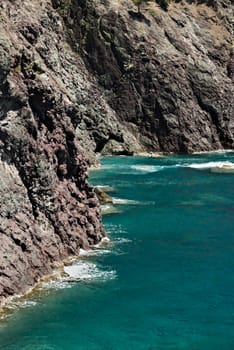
166, 280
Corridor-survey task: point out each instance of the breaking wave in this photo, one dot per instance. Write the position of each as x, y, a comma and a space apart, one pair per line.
79, 271
88, 271
109, 209
209, 165
94, 252
123, 201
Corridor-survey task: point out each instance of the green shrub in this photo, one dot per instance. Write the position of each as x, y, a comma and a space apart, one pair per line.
152, 12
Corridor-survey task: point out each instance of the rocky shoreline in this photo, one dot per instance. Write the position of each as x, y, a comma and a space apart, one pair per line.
57, 274
84, 78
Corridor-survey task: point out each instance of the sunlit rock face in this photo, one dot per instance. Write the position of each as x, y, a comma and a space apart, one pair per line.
168, 75
81, 77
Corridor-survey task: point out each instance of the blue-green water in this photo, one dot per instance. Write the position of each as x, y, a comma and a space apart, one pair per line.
167, 279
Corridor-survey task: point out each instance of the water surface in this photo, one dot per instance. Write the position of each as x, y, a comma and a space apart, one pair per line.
166, 280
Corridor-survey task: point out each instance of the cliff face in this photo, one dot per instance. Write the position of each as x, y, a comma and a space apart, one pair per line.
79, 77
48, 210
168, 76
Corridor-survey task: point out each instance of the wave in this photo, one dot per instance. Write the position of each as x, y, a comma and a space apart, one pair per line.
117, 230
87, 271
123, 201
79, 271
98, 250
121, 240
126, 169
147, 168
109, 209
209, 165
144, 169
57, 284
15, 304
104, 241
105, 188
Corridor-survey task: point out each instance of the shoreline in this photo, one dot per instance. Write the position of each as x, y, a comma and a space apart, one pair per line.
58, 268
97, 164
165, 154
57, 273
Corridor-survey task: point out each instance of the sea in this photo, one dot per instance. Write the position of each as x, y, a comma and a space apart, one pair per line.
164, 281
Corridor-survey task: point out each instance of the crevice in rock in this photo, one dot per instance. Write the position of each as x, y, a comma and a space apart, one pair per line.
19, 243
40, 106
138, 16
214, 117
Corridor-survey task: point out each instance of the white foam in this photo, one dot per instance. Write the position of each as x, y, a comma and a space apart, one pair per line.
21, 304
58, 284
121, 240
147, 168
109, 209
105, 188
105, 240
209, 165
80, 270
87, 271
77, 272
123, 201
98, 250
84, 252
28, 303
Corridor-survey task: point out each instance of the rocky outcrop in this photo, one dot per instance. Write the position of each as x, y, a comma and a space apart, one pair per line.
81, 77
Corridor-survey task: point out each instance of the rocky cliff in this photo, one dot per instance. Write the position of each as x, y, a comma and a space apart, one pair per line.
168, 76
84, 76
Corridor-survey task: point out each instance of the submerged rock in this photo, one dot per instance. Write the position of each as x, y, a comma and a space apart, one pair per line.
103, 197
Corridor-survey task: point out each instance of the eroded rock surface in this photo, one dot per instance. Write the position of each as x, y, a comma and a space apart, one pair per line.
168, 76
79, 77
48, 211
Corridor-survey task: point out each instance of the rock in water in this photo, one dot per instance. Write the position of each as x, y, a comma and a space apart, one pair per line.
103, 197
